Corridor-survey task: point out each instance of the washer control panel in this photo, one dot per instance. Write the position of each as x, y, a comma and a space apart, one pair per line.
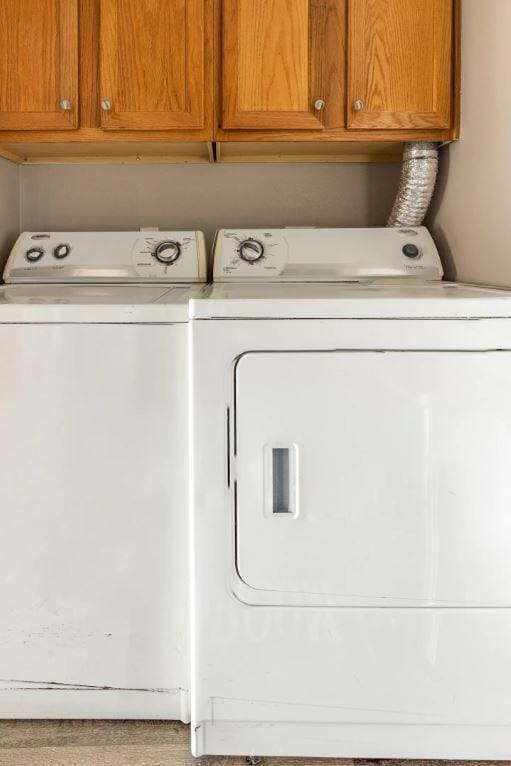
82, 257
325, 255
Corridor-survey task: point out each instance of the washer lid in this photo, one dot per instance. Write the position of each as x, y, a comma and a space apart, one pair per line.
376, 300
97, 303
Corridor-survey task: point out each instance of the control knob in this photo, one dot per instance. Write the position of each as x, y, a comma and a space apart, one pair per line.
251, 250
411, 251
34, 254
167, 251
61, 251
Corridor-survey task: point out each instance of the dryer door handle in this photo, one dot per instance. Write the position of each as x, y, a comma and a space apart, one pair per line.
281, 480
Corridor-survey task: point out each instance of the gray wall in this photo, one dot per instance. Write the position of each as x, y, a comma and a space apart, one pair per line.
207, 197
9, 207
471, 216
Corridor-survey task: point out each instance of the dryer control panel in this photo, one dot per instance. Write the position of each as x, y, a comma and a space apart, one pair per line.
325, 255
121, 256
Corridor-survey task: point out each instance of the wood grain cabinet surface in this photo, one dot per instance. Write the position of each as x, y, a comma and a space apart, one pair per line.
283, 63
152, 64
38, 64
120, 73
106, 79
399, 63
339, 69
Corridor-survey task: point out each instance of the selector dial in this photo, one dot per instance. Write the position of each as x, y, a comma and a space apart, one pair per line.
251, 250
167, 251
34, 254
61, 251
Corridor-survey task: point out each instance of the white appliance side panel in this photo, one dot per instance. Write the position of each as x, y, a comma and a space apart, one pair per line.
93, 508
373, 479
338, 682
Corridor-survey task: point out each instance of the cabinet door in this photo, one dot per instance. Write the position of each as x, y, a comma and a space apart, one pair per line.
283, 64
400, 63
152, 64
38, 64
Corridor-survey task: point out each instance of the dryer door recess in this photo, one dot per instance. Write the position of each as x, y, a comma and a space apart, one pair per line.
374, 478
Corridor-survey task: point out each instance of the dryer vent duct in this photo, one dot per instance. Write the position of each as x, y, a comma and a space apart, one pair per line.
418, 180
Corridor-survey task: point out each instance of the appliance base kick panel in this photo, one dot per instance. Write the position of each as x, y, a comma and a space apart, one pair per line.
305, 740
54, 701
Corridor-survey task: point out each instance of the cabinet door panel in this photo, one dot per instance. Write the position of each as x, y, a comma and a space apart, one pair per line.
152, 63
279, 58
400, 63
38, 64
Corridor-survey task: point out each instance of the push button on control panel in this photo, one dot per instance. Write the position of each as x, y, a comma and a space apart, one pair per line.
411, 251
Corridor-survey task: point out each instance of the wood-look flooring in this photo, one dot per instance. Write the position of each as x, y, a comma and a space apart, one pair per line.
130, 743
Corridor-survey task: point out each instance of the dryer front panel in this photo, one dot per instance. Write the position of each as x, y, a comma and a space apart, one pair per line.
373, 478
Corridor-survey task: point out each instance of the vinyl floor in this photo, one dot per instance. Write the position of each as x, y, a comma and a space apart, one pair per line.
131, 743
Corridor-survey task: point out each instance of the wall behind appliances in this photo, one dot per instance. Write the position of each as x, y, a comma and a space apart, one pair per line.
67, 197
9, 208
471, 216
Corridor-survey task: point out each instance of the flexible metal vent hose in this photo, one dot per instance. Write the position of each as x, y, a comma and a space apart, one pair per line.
418, 180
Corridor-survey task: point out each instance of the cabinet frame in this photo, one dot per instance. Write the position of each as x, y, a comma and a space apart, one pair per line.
87, 109
353, 134
128, 145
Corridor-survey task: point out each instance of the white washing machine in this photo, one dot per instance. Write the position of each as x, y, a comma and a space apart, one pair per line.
93, 474
352, 501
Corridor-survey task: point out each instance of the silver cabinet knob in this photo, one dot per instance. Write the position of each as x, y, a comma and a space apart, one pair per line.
66, 105
358, 105
106, 106
319, 105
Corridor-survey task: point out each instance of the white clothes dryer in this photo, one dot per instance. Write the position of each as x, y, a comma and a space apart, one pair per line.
351, 501
93, 474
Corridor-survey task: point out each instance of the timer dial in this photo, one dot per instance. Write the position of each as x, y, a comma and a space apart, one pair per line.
167, 251
251, 250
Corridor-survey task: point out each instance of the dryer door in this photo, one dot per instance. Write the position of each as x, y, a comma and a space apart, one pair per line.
374, 479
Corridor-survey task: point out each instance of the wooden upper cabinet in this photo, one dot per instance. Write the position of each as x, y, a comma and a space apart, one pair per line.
38, 64
283, 64
152, 60
400, 64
